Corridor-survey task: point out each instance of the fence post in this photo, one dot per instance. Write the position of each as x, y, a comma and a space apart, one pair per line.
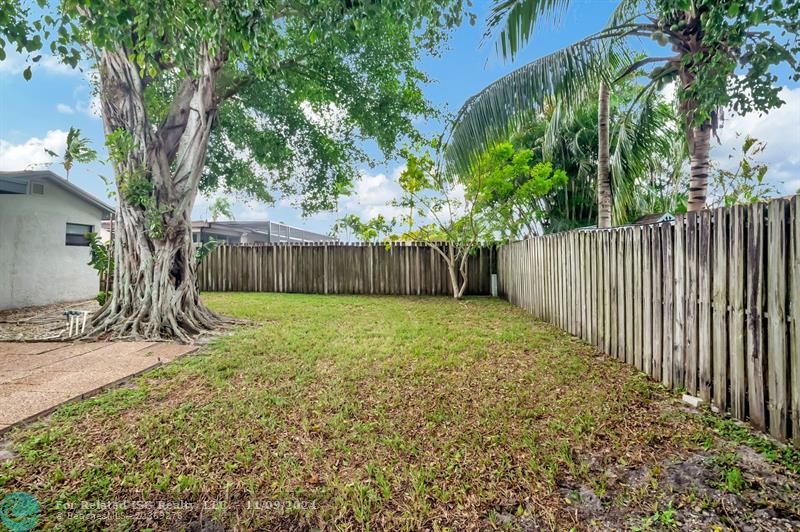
777, 370
794, 348
754, 280
325, 268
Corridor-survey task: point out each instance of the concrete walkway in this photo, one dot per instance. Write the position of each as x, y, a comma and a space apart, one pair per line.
37, 377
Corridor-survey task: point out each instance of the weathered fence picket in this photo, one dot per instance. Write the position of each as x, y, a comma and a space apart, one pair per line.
405, 268
709, 302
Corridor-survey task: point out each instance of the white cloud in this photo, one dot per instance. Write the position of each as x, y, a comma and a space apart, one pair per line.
53, 65
669, 92
372, 195
250, 211
15, 63
780, 130
31, 154
64, 108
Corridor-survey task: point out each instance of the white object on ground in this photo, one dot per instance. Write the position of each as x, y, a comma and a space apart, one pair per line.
692, 401
76, 320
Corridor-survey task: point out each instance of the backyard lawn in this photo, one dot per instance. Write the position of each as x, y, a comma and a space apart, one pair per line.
395, 413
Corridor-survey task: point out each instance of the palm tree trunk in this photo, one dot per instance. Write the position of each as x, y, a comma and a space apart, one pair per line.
700, 161
604, 194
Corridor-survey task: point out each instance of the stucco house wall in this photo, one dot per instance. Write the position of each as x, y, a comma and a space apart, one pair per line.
36, 265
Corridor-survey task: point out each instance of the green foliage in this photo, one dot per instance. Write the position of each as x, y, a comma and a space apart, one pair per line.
101, 258
220, 207
737, 44
433, 196
134, 186
785, 455
731, 478
518, 21
77, 150
136, 189
733, 481
661, 519
745, 184
568, 78
154, 220
100, 255
300, 86
120, 144
26, 30
723, 57
647, 149
372, 230
204, 249
102, 297
509, 186
347, 225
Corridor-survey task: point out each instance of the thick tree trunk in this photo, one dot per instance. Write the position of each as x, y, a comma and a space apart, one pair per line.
154, 293
698, 138
604, 194
700, 147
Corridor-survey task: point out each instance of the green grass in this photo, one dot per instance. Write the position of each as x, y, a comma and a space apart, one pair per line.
354, 412
663, 519
785, 455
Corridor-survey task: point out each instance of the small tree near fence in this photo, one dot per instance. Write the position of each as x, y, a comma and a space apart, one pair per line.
453, 230
101, 259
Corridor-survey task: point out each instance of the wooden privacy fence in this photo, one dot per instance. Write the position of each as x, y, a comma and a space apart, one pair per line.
709, 303
399, 268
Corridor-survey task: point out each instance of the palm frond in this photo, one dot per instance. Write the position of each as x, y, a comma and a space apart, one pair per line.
630, 10
513, 22
569, 75
641, 134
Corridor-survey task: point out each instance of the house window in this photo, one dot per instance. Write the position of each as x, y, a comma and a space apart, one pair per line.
11, 186
76, 234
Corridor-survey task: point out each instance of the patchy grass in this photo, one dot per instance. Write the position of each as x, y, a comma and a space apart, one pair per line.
377, 413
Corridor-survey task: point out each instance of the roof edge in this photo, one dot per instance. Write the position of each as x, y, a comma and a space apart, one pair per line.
54, 178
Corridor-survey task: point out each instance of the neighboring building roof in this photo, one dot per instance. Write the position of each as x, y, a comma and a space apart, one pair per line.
266, 228
50, 177
653, 219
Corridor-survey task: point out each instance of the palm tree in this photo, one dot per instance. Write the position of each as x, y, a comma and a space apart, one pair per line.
602, 146
77, 150
637, 148
702, 63
604, 195
566, 79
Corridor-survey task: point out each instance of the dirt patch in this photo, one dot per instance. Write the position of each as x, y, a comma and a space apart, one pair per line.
47, 322
729, 487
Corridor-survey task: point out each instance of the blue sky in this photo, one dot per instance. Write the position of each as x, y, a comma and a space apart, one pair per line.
36, 114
